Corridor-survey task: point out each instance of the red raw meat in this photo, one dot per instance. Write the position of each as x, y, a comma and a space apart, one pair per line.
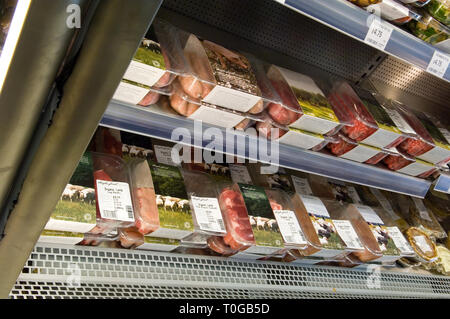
396, 162
341, 147
239, 230
279, 113
147, 215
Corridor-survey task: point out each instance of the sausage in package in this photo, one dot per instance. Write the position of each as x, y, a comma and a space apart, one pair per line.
304, 105
161, 201
97, 198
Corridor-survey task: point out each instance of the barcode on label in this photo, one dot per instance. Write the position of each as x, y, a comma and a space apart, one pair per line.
222, 226
129, 210
109, 214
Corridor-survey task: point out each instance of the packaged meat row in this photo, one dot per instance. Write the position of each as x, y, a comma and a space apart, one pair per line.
391, 10
278, 217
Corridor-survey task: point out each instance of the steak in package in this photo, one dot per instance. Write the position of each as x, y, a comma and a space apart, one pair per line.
161, 201
303, 104
369, 122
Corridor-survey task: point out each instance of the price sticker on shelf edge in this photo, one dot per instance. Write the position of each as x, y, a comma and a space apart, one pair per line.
379, 33
289, 227
438, 64
208, 215
114, 200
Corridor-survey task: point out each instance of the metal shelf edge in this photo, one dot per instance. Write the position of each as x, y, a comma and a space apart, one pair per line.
144, 121
352, 21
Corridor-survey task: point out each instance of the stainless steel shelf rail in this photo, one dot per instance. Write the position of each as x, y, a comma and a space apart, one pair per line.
145, 121
64, 271
352, 21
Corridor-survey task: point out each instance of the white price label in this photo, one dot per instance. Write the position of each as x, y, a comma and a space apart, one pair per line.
348, 234
114, 200
399, 240
301, 185
289, 227
423, 212
164, 155
438, 64
379, 34
369, 214
208, 215
314, 206
239, 174
422, 243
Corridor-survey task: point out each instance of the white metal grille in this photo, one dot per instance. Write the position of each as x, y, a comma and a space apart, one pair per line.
122, 273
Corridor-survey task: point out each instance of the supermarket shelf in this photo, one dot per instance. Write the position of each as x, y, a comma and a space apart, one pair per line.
155, 123
443, 183
352, 21
63, 271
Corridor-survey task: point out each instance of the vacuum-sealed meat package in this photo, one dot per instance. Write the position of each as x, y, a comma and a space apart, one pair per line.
157, 63
303, 104
159, 196
97, 198
370, 122
202, 200
329, 237
399, 161
389, 10
220, 76
239, 235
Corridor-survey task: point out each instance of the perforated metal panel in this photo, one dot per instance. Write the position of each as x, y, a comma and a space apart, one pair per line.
274, 26
55, 271
412, 80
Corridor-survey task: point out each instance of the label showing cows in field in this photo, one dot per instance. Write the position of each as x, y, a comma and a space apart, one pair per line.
263, 222
400, 241
239, 174
323, 225
301, 185
423, 212
75, 211
289, 227
208, 215
348, 234
114, 200
164, 155
173, 209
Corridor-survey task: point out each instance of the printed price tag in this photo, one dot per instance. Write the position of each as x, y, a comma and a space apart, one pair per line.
348, 234
314, 206
289, 227
208, 215
379, 34
438, 64
301, 185
114, 200
239, 174
164, 155
399, 240
422, 243
369, 214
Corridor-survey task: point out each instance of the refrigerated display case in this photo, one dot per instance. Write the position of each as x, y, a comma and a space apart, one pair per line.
328, 42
